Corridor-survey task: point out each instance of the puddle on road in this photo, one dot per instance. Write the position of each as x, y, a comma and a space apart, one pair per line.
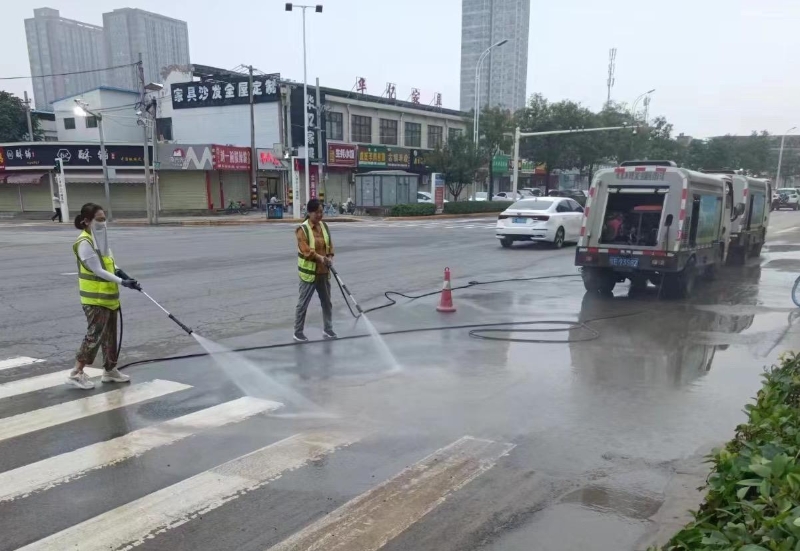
616, 501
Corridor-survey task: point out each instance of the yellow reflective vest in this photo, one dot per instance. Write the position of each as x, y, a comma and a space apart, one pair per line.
308, 268
94, 290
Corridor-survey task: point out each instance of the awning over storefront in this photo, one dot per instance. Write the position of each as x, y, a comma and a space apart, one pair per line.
28, 177
95, 178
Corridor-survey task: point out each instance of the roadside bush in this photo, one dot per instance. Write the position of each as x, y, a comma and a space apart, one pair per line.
753, 501
413, 209
472, 207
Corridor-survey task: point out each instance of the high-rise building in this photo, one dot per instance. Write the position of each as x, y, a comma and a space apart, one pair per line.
505, 69
56, 46
161, 40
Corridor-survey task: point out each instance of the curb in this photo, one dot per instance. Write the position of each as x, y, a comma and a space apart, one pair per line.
442, 216
254, 221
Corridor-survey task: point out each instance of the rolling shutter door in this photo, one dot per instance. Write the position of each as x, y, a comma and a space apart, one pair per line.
124, 197
36, 197
235, 186
9, 198
337, 187
183, 190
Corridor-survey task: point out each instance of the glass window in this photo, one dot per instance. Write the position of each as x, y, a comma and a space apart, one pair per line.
413, 136
388, 132
334, 126
563, 206
454, 133
361, 128
434, 136
69, 123
91, 122
531, 204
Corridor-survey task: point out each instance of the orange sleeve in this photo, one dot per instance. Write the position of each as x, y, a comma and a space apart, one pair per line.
303, 247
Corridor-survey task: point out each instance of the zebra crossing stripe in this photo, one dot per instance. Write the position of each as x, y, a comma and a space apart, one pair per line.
59, 469
32, 384
371, 520
18, 362
131, 524
39, 419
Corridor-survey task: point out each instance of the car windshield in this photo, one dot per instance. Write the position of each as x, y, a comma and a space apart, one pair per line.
531, 204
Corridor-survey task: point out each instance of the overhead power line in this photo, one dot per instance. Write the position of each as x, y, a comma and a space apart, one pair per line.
73, 72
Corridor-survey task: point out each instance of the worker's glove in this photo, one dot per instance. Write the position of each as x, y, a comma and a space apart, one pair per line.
121, 274
131, 284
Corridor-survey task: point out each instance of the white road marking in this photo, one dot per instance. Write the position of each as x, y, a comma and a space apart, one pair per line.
785, 231
371, 520
59, 469
69, 273
131, 524
32, 384
39, 419
18, 362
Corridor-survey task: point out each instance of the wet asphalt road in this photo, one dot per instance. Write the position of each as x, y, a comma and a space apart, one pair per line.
443, 442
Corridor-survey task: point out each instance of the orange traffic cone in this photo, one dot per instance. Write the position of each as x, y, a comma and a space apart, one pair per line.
446, 299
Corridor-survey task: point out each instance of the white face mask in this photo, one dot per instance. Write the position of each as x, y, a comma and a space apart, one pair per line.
100, 236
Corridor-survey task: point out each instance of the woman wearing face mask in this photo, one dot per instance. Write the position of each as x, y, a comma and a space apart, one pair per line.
99, 279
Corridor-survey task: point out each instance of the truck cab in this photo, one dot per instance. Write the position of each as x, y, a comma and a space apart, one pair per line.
750, 220
654, 221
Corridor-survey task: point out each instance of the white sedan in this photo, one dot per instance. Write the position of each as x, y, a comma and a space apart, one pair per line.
507, 196
550, 219
425, 197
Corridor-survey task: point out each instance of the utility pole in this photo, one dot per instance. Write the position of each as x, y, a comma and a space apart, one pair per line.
780, 158
27, 103
148, 185
320, 153
612, 67
253, 158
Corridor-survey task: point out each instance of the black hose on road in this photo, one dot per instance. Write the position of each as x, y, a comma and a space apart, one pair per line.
477, 330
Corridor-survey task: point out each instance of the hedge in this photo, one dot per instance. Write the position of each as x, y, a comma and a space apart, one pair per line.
753, 501
470, 207
413, 209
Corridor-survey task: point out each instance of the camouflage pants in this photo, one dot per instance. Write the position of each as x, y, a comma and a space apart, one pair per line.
102, 332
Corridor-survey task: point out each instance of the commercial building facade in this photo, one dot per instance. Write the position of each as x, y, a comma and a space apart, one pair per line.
504, 72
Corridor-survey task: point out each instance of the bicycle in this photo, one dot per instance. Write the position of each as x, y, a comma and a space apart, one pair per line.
236, 207
796, 292
330, 209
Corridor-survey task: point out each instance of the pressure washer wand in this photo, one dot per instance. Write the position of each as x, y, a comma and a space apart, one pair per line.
346, 290
170, 316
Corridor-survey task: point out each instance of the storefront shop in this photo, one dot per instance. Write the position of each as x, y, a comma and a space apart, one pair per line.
271, 177
230, 181
184, 174
342, 162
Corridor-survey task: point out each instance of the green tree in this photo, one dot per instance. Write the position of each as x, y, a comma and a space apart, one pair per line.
459, 161
13, 121
496, 130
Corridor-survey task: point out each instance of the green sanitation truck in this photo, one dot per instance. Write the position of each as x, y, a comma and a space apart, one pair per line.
653, 221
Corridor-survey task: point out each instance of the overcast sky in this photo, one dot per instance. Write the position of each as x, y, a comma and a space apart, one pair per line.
718, 66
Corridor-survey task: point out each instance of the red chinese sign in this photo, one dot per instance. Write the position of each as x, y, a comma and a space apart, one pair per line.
340, 154
228, 157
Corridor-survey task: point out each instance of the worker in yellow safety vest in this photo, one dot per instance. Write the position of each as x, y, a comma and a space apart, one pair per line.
314, 257
99, 279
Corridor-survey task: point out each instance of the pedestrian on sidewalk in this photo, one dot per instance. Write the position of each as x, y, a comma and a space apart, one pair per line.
314, 258
57, 209
98, 280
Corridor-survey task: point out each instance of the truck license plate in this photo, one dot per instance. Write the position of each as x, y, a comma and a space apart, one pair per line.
624, 261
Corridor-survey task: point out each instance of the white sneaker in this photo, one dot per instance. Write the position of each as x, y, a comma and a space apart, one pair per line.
114, 376
80, 380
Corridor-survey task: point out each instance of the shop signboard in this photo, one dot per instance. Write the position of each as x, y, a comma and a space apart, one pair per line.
271, 159
43, 155
342, 155
2, 160
419, 161
437, 191
233, 90
398, 157
501, 164
316, 117
228, 157
185, 157
371, 156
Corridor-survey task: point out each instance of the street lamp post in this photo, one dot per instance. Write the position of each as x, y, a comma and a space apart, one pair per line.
780, 157
317, 9
82, 110
476, 120
518, 135
636, 102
